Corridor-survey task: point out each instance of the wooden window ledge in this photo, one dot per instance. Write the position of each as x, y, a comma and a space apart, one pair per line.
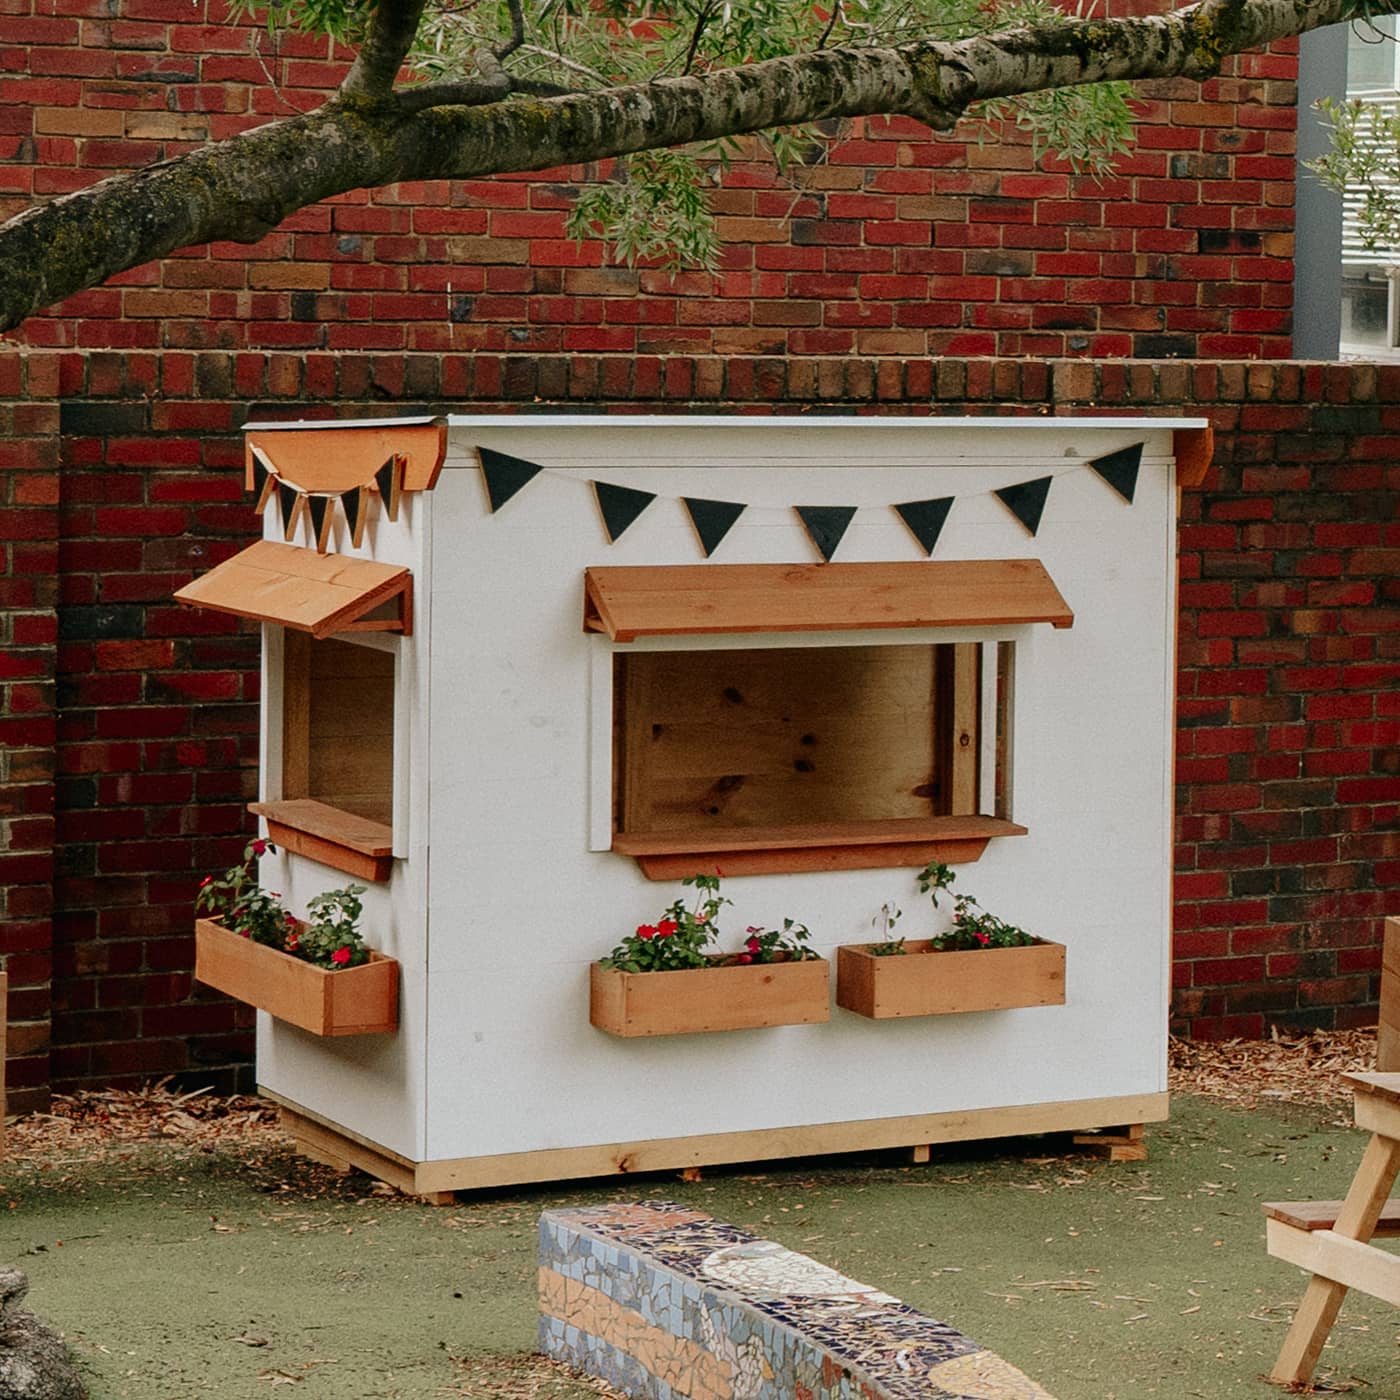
869, 845
356, 845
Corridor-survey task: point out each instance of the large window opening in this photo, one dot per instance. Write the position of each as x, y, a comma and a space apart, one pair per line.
879, 751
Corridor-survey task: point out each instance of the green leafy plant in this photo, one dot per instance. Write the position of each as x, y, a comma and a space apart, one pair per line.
889, 946
973, 927
766, 945
686, 937
330, 938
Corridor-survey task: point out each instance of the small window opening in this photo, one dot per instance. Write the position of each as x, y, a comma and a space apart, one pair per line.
338, 725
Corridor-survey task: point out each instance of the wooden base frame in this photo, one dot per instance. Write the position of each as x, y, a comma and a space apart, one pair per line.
323, 1140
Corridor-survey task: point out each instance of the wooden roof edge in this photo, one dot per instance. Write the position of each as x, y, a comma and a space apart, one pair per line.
293, 425
1193, 449
307, 447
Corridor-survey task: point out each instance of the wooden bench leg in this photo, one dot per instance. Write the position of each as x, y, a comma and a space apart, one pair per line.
1370, 1189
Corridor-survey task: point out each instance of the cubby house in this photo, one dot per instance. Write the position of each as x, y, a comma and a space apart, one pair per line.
522, 675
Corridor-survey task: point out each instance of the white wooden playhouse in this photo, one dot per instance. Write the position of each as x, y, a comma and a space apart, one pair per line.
523, 674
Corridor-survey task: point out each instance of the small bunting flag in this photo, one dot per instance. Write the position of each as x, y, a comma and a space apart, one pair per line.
504, 475
389, 480
322, 519
264, 482
826, 525
289, 500
1120, 469
712, 520
620, 506
1026, 501
925, 519
355, 504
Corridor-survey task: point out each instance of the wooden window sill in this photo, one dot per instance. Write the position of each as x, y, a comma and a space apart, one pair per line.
356, 845
673, 855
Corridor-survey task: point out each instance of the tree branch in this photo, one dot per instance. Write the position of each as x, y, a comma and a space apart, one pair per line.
241, 188
391, 33
472, 92
517, 32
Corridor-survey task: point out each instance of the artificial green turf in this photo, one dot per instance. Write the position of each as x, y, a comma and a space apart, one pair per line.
179, 1273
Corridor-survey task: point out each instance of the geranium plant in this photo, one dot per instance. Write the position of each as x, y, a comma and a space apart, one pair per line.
686, 937
330, 938
973, 927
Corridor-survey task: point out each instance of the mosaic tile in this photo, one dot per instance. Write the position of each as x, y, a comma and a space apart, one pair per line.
707, 1311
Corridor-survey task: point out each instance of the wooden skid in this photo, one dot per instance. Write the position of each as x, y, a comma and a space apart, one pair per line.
360, 1000
708, 1149
725, 998
924, 983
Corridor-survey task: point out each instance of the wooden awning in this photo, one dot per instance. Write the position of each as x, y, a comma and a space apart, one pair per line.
707, 599
316, 593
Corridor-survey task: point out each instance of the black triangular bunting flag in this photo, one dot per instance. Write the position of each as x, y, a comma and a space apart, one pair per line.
712, 520
387, 479
1026, 500
319, 506
505, 475
620, 505
1120, 469
289, 499
826, 525
925, 519
352, 502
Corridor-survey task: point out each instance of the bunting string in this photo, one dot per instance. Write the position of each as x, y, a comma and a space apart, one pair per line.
619, 506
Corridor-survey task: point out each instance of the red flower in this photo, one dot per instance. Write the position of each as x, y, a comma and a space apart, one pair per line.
260, 847
752, 945
646, 931
666, 928
340, 957
982, 938
293, 939
744, 958
207, 880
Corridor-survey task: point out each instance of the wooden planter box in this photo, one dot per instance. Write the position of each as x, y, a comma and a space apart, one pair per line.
720, 998
923, 983
349, 1001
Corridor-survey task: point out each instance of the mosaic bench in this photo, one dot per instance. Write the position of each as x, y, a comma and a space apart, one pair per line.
664, 1302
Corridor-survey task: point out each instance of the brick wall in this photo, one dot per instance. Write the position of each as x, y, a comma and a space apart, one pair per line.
1289, 766
898, 245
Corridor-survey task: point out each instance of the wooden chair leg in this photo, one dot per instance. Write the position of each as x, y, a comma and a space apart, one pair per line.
1370, 1189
